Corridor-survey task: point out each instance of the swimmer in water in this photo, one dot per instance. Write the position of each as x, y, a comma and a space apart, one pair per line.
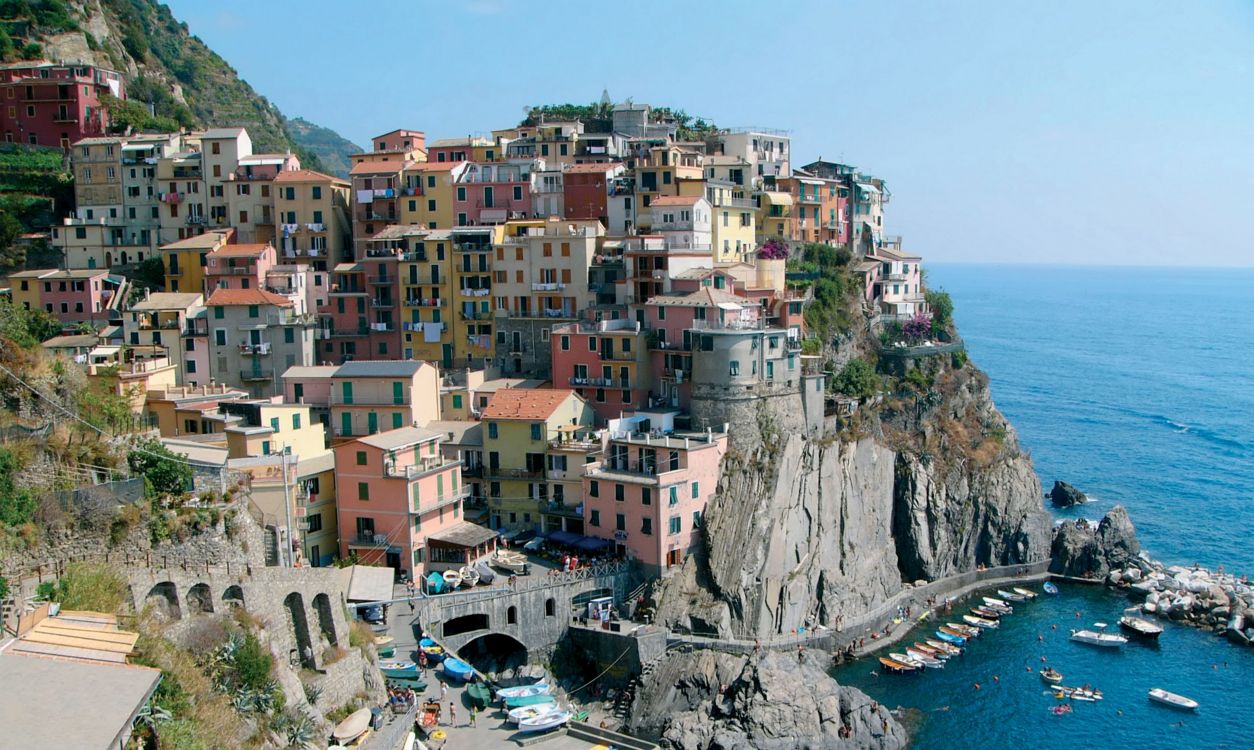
977, 686
996, 678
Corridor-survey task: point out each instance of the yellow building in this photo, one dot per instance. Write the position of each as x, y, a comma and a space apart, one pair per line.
184, 260
733, 221
518, 425
775, 215
424, 267
25, 285
661, 174
311, 215
427, 193
471, 318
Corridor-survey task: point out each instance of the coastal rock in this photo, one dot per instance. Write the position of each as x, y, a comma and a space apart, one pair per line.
1064, 495
707, 700
1082, 551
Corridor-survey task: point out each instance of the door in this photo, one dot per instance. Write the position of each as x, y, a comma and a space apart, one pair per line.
346, 423
372, 423
315, 555
394, 562
446, 356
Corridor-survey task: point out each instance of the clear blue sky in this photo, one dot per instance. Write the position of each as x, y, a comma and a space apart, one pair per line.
1058, 132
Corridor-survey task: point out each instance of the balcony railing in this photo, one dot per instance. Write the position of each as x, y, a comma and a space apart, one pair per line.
233, 271
441, 502
261, 348
253, 375
601, 382
424, 302
425, 465
370, 539
502, 473
472, 292
382, 303
382, 280
547, 286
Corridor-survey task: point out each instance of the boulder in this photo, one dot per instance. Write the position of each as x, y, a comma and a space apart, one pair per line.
1064, 495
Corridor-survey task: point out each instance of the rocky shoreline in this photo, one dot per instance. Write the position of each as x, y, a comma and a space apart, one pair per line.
1213, 600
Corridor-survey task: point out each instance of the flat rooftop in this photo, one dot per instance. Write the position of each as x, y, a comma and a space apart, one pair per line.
75, 704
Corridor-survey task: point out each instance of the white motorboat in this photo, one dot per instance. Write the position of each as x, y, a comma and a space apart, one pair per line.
516, 715
980, 622
354, 726
997, 604
523, 691
1051, 675
470, 576
452, 579
1098, 637
924, 658
1025, 593
1158, 695
1141, 627
1010, 596
545, 722
904, 659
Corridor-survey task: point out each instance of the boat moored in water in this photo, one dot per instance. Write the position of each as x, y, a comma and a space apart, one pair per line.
897, 667
1011, 596
1050, 588
980, 622
996, 603
1025, 593
924, 658
967, 630
1140, 627
1051, 675
987, 613
953, 649
1172, 700
1098, 637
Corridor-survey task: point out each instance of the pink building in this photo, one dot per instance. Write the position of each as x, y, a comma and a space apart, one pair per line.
238, 266
70, 296
605, 362
492, 193
586, 189
399, 504
649, 493
54, 104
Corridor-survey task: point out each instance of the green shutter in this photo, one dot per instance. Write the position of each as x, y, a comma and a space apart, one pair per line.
219, 312
457, 401
439, 486
347, 390
346, 423
398, 393
372, 423
396, 420
363, 490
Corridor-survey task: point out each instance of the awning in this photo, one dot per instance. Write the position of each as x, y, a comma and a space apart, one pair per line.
867, 187
370, 583
568, 538
729, 306
593, 544
464, 535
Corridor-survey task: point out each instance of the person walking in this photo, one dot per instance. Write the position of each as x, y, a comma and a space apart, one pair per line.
474, 714
452, 714
443, 690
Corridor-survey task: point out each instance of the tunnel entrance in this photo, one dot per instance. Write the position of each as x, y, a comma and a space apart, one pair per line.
494, 652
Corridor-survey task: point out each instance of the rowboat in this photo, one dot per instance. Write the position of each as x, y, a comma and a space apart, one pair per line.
396, 668
988, 613
357, 723
931, 651
950, 637
486, 574
967, 630
1141, 628
387, 652
515, 715
514, 562
417, 684
897, 667
1025, 593
1050, 588
539, 688
980, 622
435, 583
529, 700
924, 658
952, 649
452, 579
479, 694
1050, 675
1011, 596
904, 659
1098, 638
1172, 700
433, 650
469, 575
996, 603
1085, 694
458, 669
544, 722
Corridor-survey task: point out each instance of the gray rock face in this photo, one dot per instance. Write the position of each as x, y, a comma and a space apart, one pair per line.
1082, 550
707, 700
1064, 495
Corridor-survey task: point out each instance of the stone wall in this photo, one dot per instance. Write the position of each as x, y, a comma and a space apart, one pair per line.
618, 656
754, 412
535, 356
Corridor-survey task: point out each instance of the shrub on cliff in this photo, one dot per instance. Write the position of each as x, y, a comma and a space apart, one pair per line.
94, 587
942, 308
166, 473
857, 379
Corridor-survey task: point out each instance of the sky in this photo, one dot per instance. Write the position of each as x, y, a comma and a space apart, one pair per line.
1108, 133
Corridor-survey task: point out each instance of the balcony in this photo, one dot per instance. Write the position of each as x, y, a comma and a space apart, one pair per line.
233, 271
624, 466
382, 327
547, 286
474, 472
255, 349
476, 315
346, 289
348, 332
148, 324
195, 219
893, 277
442, 501
809, 198
472, 292
618, 356
382, 304
196, 327
372, 216
601, 382
382, 280
369, 539
424, 302
426, 465
501, 473
253, 376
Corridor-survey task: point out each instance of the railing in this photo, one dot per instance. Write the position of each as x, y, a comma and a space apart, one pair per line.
341, 332
610, 569
373, 538
382, 303
422, 467
472, 292
382, 279
233, 271
253, 375
499, 473
547, 286
602, 382
620, 466
260, 348
442, 502
425, 302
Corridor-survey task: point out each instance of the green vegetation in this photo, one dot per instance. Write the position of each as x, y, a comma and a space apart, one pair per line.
332, 148
17, 505
26, 328
857, 379
93, 587
165, 473
830, 312
942, 308
598, 116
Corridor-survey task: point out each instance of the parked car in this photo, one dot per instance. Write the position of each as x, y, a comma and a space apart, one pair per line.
372, 614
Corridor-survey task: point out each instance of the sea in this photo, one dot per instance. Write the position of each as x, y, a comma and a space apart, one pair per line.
1136, 385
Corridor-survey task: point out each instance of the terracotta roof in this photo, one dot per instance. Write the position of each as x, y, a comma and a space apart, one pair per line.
239, 250
704, 297
229, 297
206, 241
305, 175
526, 404
675, 200
435, 166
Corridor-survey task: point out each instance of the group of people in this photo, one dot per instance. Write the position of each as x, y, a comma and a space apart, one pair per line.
402, 699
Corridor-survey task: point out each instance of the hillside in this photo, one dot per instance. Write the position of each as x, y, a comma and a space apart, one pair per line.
332, 148
187, 83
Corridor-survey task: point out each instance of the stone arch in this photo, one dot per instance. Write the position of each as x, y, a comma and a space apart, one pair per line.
233, 595
108, 259
511, 615
199, 599
165, 598
326, 622
294, 603
550, 607
465, 624
494, 652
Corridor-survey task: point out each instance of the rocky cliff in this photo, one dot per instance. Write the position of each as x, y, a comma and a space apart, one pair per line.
807, 530
707, 700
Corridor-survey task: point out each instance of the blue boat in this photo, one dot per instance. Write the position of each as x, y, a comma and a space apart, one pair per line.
433, 650
435, 583
395, 669
458, 669
1050, 588
957, 640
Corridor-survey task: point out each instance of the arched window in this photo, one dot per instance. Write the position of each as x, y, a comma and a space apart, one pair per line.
511, 616
550, 607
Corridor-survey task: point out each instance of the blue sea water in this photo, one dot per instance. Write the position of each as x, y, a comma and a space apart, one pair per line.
1137, 386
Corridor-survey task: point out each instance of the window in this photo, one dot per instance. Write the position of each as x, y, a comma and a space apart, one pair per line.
289, 335
674, 495
594, 518
492, 430
594, 488
457, 401
219, 337
646, 496
518, 192
295, 421
536, 433
265, 447
219, 311
696, 490
676, 524
313, 522
550, 607
646, 526
398, 420
361, 458
511, 615
363, 490
620, 522
253, 311
619, 493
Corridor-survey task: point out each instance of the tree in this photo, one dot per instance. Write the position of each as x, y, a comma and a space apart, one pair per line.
12, 254
6, 45
917, 328
17, 506
858, 379
942, 308
165, 471
151, 272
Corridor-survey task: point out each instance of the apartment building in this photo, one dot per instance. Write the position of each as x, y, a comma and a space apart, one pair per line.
368, 397
183, 410
586, 190
897, 291
649, 493
733, 220
570, 452
255, 338
376, 190
71, 296
518, 425
766, 151
55, 104
820, 206
606, 363
167, 321
311, 215
250, 196
185, 259
492, 193
428, 193
238, 266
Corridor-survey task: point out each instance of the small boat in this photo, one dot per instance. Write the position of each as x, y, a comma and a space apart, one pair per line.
417, 684
953, 649
539, 688
514, 562
469, 575
1086, 694
396, 668
1025, 593
435, 584
386, 652
544, 722
479, 694
931, 651
996, 603
1051, 675
924, 658
987, 613
458, 669
430, 714
486, 574
515, 715
357, 724
433, 650
1158, 695
1050, 588
980, 622
1098, 638
1011, 596
452, 579
904, 659
897, 667
950, 637
967, 630
1140, 627
529, 700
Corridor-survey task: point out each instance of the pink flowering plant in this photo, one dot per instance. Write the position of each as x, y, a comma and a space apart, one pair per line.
918, 328
773, 249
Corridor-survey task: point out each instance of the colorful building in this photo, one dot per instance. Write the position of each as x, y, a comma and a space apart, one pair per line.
166, 320
53, 104
238, 266
586, 190
605, 362
311, 215
71, 296
255, 338
368, 397
185, 259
